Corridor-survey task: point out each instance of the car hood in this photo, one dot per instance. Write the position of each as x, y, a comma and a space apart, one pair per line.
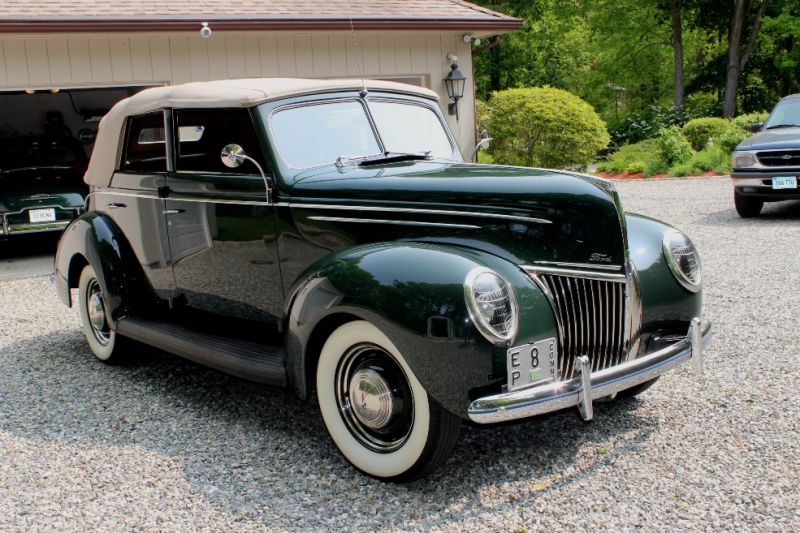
525, 215
37, 187
777, 139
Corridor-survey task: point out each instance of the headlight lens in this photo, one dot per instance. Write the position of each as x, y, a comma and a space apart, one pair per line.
743, 160
683, 259
491, 305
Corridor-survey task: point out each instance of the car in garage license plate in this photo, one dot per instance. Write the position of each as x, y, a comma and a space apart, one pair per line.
42, 215
531, 363
784, 182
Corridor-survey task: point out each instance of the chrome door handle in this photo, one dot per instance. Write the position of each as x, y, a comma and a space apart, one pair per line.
173, 211
115, 205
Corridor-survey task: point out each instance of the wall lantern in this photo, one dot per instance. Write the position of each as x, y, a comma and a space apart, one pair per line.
455, 82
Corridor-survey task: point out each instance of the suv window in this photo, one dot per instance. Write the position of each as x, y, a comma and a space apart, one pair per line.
203, 133
145, 150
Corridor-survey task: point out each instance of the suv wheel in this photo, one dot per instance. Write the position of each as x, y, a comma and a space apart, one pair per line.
747, 206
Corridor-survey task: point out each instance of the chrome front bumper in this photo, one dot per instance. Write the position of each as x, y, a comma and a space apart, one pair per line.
589, 386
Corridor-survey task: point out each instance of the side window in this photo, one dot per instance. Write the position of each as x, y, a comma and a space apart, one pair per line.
203, 133
145, 149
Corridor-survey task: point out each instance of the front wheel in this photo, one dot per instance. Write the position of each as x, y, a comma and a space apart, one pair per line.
747, 206
104, 342
375, 409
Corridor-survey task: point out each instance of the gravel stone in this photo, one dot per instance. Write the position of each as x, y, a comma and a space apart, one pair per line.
162, 444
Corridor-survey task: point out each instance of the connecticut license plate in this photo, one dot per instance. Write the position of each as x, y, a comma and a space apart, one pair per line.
784, 182
531, 363
42, 215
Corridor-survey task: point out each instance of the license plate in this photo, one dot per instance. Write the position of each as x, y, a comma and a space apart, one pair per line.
42, 215
784, 182
531, 363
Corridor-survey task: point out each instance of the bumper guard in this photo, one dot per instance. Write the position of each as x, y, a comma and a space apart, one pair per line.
589, 386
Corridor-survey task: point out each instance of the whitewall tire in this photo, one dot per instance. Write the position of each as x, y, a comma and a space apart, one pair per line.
376, 411
102, 339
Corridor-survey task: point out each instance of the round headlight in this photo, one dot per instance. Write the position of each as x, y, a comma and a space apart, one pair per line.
491, 305
743, 160
683, 259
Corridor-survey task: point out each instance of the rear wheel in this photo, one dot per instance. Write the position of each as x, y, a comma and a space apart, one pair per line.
376, 411
104, 342
747, 206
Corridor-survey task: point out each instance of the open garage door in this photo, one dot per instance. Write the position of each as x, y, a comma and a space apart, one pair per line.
46, 139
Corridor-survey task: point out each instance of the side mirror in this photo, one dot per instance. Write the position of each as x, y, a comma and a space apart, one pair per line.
233, 156
483, 144
756, 127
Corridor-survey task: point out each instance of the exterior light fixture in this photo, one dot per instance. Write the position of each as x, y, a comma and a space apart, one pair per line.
455, 82
29, 91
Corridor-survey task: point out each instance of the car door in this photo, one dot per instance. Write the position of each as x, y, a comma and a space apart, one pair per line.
221, 227
132, 200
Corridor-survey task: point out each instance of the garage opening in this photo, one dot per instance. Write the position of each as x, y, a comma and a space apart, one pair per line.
58, 112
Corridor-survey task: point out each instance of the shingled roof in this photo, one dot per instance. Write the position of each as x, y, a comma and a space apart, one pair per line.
152, 15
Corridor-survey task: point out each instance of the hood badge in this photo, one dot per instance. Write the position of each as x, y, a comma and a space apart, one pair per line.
599, 258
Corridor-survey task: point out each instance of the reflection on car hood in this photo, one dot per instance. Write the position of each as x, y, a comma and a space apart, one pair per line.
523, 214
777, 139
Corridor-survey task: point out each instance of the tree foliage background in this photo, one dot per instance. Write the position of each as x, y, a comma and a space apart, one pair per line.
619, 54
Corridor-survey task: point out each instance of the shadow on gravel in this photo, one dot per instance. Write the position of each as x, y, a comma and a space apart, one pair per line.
255, 451
772, 212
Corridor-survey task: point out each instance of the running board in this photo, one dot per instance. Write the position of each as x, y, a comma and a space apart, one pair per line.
249, 360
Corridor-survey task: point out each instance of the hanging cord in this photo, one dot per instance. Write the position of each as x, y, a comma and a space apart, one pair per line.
364, 91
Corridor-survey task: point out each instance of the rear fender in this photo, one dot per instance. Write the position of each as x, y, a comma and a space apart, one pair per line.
96, 240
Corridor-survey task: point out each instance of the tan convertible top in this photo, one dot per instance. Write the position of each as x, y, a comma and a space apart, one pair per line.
223, 93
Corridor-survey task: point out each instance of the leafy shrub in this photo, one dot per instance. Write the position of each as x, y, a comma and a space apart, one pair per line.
712, 159
482, 112
703, 104
544, 127
683, 169
636, 167
673, 148
630, 155
731, 138
697, 131
743, 122
646, 125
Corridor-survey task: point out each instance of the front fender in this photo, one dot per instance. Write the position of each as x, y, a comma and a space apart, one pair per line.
94, 239
415, 294
668, 307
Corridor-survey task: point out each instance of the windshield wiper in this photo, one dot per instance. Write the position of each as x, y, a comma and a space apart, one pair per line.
783, 126
396, 157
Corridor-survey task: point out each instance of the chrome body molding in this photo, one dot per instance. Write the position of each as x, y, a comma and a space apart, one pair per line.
589, 386
413, 210
337, 207
394, 222
599, 276
588, 266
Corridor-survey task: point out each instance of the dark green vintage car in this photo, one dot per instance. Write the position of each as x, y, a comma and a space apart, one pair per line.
328, 237
41, 185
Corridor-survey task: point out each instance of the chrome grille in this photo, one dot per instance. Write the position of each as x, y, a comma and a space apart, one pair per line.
592, 315
779, 158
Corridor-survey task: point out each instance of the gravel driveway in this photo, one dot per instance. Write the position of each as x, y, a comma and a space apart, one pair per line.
161, 444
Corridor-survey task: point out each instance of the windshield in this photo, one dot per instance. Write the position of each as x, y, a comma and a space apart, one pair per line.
321, 134
785, 114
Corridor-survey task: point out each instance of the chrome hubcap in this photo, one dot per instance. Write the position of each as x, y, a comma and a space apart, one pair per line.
370, 398
96, 311
374, 398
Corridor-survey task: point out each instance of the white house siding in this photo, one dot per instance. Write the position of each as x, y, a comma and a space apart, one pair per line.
76, 60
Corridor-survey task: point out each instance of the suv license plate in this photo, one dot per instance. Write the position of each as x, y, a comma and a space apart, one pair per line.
784, 182
42, 215
531, 363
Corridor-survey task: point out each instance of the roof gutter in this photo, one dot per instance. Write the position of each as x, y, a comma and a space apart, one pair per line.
221, 23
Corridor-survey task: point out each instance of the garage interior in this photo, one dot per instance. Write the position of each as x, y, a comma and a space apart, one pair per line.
57, 111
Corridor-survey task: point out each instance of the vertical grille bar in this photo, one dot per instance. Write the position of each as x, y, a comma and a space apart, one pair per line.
592, 317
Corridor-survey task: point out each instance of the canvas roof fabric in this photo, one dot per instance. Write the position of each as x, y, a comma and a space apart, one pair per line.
208, 94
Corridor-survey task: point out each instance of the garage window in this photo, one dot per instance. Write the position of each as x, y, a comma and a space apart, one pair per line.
145, 149
203, 133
